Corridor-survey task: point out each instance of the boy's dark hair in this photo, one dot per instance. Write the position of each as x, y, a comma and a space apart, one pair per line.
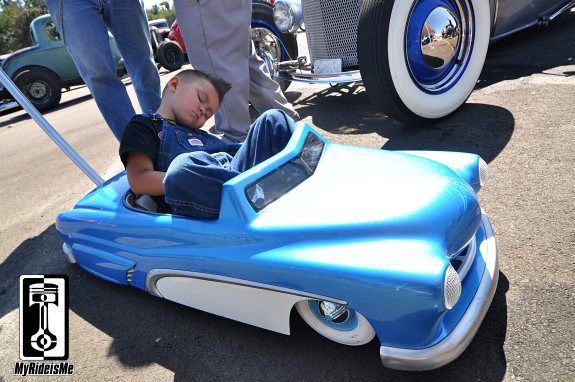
222, 86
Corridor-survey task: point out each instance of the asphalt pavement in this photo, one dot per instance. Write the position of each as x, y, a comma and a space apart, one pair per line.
519, 119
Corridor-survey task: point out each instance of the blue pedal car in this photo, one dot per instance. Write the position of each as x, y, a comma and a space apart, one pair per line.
362, 242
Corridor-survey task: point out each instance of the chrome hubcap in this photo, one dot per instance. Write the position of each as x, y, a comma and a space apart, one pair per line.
439, 42
37, 90
335, 316
267, 45
334, 312
439, 38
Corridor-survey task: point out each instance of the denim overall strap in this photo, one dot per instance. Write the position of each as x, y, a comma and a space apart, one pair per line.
176, 140
193, 182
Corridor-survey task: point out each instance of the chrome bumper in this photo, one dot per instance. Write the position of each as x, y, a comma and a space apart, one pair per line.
333, 78
7, 105
68, 253
458, 340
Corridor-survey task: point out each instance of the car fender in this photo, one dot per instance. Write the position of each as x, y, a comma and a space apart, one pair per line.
465, 165
37, 67
10, 64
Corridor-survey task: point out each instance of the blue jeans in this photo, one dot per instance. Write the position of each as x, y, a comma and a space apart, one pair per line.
85, 33
193, 182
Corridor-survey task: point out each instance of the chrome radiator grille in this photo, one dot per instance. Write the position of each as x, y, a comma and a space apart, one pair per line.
331, 29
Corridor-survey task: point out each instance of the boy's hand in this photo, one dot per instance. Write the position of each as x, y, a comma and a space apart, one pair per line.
142, 177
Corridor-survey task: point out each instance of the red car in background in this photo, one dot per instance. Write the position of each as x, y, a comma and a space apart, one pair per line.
176, 35
270, 44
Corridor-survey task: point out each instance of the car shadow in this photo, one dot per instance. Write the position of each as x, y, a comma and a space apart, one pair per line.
23, 116
195, 345
477, 128
18, 114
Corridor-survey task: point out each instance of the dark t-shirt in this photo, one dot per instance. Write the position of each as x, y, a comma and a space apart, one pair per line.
142, 135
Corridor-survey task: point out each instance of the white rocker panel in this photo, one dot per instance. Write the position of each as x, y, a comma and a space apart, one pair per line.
263, 308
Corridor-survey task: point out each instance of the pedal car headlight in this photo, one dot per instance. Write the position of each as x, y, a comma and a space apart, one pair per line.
451, 287
483, 172
287, 15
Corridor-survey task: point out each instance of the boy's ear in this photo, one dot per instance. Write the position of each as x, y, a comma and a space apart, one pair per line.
173, 83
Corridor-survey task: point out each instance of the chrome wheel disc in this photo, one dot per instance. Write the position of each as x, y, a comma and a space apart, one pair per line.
438, 44
38, 90
268, 46
439, 51
334, 315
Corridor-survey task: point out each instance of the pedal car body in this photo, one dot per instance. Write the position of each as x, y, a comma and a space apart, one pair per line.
361, 241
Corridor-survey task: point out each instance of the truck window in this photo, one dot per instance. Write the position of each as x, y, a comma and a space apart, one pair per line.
52, 32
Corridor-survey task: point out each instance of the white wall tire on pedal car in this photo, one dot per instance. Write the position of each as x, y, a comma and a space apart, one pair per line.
420, 59
336, 322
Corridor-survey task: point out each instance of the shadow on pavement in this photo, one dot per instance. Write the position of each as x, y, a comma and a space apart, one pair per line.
198, 346
477, 128
22, 116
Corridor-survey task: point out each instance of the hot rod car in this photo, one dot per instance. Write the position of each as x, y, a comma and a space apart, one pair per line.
42, 70
418, 59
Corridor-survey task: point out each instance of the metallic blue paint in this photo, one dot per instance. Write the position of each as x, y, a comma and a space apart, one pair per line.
465, 165
371, 227
102, 264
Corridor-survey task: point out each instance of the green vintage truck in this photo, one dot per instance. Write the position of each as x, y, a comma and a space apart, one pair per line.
44, 69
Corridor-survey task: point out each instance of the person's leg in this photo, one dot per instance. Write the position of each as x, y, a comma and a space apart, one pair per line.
193, 184
86, 36
265, 93
129, 25
268, 135
217, 39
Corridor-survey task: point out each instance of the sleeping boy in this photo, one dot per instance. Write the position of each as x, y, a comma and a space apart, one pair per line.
168, 157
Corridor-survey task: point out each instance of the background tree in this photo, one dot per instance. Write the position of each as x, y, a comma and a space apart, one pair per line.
162, 11
15, 17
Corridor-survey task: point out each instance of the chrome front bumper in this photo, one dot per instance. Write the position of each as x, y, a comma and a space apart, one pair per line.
7, 105
458, 340
308, 77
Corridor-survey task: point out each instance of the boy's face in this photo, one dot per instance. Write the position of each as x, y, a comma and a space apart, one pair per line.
194, 102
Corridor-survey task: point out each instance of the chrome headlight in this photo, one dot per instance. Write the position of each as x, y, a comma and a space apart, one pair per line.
288, 15
451, 287
483, 172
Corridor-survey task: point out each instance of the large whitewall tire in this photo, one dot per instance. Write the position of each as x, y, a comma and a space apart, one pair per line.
349, 328
414, 71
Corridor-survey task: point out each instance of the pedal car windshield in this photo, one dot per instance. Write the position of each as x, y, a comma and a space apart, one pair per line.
273, 185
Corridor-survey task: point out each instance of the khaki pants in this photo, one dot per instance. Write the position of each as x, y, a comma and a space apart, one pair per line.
217, 37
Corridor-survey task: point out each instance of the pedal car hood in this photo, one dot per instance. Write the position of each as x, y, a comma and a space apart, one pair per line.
388, 193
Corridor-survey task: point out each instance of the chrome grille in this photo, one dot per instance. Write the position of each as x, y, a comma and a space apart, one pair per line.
331, 29
130, 274
462, 260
